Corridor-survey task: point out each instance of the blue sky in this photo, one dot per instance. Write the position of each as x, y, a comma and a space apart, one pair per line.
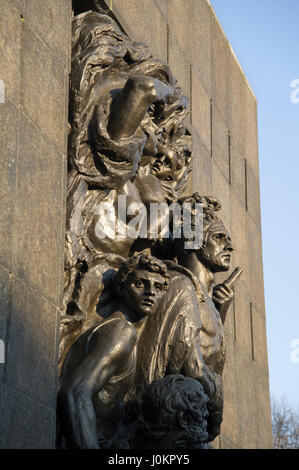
265, 37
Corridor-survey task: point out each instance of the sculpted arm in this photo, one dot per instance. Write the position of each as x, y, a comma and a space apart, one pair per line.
130, 107
108, 350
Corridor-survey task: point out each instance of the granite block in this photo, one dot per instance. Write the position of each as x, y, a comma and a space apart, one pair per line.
30, 363
238, 173
237, 106
230, 413
9, 119
221, 191
201, 110
44, 93
220, 143
179, 25
260, 339
21, 5
243, 323
144, 22
51, 21
200, 32
162, 5
256, 284
246, 404
5, 287
222, 58
253, 195
19, 415
239, 233
263, 410
201, 167
11, 27
251, 133
38, 211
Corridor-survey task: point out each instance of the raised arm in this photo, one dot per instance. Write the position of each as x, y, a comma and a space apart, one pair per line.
129, 108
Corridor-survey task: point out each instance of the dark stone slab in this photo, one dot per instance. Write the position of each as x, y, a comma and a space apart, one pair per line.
38, 212
18, 415
9, 118
31, 353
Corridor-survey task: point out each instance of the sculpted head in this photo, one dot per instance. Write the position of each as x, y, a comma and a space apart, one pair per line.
141, 283
216, 248
173, 415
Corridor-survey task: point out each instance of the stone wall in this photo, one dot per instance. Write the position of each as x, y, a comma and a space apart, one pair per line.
223, 122
34, 66
35, 40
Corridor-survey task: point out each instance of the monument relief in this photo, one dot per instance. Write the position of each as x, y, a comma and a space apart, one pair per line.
142, 346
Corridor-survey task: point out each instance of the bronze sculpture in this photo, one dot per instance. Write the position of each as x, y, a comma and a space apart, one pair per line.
128, 145
99, 369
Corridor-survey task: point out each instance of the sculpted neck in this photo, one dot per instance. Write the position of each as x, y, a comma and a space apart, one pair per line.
200, 271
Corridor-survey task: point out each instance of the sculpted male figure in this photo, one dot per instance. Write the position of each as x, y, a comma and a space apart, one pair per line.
212, 257
100, 368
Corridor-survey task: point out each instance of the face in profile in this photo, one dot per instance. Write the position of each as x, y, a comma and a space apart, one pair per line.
143, 293
218, 248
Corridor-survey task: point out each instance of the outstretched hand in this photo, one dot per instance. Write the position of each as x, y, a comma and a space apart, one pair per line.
223, 294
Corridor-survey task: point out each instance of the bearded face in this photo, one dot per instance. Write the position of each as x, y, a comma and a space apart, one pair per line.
216, 252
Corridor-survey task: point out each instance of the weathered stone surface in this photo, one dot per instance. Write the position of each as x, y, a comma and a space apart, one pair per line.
256, 266
9, 118
253, 195
200, 32
4, 311
243, 322
11, 26
230, 426
260, 339
21, 5
51, 22
38, 215
221, 59
220, 143
35, 54
201, 110
23, 415
237, 106
44, 92
179, 42
201, 165
238, 173
145, 22
30, 362
221, 190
